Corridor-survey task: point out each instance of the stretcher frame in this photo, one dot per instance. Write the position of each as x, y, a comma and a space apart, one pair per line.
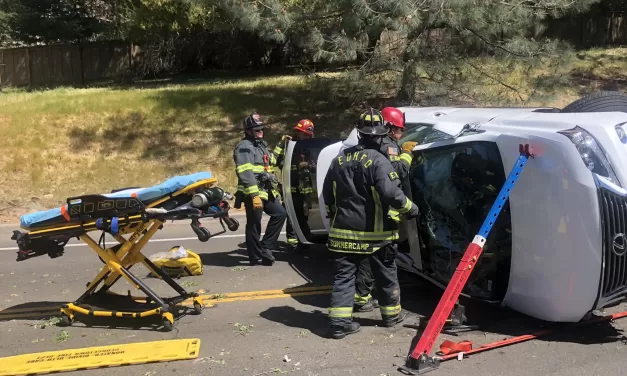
142, 224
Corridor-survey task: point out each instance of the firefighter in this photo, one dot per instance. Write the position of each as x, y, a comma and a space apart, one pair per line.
301, 186
364, 199
401, 158
257, 188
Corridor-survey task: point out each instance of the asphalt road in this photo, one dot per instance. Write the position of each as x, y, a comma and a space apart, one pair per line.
252, 337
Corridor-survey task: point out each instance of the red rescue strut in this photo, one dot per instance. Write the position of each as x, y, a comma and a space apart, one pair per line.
510, 341
419, 359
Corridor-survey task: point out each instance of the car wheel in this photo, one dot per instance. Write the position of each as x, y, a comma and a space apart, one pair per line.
603, 101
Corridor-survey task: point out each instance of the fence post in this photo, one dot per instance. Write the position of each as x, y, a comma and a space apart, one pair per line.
29, 61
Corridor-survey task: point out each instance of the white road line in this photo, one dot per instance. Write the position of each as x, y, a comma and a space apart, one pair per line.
155, 240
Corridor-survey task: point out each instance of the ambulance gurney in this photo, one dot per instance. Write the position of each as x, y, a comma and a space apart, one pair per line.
138, 213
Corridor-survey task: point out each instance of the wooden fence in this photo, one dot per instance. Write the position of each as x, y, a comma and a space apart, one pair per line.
71, 65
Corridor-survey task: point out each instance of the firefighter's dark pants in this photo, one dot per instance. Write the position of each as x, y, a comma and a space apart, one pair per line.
365, 278
364, 283
258, 249
290, 233
384, 271
299, 202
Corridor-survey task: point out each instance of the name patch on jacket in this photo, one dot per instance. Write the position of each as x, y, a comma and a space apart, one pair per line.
393, 175
348, 245
357, 157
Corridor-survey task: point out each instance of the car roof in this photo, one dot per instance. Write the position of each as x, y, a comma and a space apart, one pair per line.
451, 120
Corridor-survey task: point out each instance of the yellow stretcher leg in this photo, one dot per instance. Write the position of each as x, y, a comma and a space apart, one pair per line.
117, 264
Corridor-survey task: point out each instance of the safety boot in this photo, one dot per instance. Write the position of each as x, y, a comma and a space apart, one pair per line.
267, 257
390, 321
341, 331
369, 306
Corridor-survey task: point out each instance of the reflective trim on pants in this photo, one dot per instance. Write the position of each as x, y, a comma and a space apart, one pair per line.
362, 299
390, 310
341, 312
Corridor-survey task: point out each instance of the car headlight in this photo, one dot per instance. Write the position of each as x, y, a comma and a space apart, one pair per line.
591, 153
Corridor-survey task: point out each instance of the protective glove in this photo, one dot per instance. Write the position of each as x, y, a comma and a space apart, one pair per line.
409, 146
257, 204
285, 138
303, 165
414, 212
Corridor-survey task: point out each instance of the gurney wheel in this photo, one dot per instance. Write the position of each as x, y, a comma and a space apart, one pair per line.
66, 320
198, 308
167, 325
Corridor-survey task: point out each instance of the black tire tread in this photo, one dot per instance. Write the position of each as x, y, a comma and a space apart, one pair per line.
602, 101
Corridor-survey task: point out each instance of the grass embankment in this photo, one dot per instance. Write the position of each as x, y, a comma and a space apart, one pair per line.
64, 142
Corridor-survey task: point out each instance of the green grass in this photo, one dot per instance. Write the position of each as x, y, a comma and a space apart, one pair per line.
69, 141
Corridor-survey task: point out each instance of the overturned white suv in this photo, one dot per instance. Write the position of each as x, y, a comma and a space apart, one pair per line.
558, 250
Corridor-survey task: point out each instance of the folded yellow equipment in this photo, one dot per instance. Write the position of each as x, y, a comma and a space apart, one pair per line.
137, 213
177, 262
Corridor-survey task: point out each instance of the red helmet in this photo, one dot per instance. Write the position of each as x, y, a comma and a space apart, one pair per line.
393, 117
306, 126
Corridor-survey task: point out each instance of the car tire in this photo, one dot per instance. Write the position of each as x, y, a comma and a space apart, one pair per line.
603, 101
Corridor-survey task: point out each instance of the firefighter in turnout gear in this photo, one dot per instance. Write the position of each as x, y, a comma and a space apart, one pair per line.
364, 200
301, 185
401, 158
257, 188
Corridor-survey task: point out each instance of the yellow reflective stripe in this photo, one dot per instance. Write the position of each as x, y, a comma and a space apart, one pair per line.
341, 312
390, 310
362, 299
278, 150
248, 190
364, 252
393, 214
306, 190
362, 235
272, 159
378, 212
248, 167
292, 241
407, 157
244, 167
334, 203
263, 195
407, 207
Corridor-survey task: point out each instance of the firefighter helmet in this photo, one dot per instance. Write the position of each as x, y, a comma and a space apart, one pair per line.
253, 121
305, 126
371, 123
393, 117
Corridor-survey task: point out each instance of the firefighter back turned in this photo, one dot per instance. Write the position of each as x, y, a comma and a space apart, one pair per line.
364, 201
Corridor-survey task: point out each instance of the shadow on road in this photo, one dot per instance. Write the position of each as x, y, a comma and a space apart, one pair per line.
419, 300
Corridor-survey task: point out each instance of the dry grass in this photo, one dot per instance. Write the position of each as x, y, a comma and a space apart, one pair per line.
67, 141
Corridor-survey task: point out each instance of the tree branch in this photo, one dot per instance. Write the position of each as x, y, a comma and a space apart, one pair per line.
497, 80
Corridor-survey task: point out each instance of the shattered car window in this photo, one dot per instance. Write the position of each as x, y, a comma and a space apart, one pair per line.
422, 133
455, 187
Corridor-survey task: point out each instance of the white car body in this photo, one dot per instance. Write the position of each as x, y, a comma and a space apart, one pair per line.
568, 222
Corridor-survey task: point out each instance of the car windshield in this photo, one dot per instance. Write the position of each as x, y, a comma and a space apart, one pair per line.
422, 133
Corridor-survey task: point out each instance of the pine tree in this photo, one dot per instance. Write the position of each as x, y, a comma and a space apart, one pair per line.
510, 31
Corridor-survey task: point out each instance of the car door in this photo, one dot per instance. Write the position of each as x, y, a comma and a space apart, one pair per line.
454, 185
303, 205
